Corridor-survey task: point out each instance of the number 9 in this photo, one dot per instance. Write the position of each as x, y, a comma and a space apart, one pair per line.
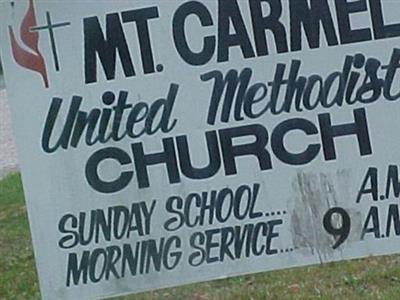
340, 233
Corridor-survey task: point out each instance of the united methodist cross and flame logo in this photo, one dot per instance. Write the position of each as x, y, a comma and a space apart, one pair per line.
31, 60
27, 54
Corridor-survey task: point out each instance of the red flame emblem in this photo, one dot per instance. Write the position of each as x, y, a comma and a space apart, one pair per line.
30, 60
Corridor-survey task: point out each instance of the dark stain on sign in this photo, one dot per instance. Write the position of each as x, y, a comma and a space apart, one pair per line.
314, 194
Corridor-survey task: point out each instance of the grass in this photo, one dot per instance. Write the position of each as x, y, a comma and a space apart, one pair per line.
18, 279
372, 278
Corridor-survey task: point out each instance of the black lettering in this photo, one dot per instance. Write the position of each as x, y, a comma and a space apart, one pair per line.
180, 38
105, 48
359, 128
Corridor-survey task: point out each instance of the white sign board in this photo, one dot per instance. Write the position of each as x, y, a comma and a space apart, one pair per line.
170, 142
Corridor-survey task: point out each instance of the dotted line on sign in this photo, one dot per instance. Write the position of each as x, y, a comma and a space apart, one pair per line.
288, 250
280, 213
275, 213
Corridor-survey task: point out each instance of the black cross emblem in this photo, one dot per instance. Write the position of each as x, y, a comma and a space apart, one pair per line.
50, 26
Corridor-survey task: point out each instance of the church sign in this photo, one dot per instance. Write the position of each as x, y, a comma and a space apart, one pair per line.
170, 142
